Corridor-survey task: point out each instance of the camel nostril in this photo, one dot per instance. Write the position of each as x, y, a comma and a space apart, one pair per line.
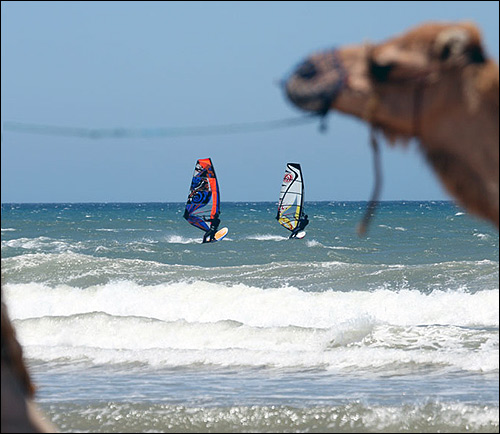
306, 70
379, 72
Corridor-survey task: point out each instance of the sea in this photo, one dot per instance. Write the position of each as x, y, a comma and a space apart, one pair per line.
130, 324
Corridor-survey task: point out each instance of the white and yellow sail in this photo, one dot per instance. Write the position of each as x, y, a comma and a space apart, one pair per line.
291, 200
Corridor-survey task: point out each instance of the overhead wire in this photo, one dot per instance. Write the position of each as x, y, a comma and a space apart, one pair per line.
120, 133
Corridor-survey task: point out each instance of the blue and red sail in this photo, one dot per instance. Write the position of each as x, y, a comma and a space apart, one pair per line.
203, 201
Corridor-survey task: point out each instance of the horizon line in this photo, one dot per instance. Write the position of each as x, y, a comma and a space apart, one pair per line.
228, 201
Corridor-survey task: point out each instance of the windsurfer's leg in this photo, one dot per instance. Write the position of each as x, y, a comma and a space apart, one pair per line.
209, 236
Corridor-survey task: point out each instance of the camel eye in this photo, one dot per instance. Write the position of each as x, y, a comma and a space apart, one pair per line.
306, 70
445, 53
474, 54
379, 72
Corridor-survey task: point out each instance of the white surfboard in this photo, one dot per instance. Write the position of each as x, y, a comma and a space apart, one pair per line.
301, 234
220, 234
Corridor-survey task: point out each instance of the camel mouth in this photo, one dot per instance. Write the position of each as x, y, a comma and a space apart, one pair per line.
316, 82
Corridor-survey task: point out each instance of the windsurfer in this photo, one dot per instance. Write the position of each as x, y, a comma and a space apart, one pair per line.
303, 222
214, 225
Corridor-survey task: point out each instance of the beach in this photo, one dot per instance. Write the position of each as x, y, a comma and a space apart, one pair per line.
130, 324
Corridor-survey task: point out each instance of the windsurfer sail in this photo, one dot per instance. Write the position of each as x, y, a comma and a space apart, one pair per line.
203, 203
291, 201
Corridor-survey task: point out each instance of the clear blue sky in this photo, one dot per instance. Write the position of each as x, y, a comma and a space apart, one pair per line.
179, 64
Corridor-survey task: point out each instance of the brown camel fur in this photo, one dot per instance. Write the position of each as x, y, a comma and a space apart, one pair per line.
434, 83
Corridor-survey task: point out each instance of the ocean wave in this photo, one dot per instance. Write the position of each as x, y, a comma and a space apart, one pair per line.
357, 346
210, 302
40, 244
181, 324
84, 270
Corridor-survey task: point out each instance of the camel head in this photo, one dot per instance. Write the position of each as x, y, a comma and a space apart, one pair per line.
434, 83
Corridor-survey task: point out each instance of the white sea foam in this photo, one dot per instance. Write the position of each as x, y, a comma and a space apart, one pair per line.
202, 301
397, 228
40, 244
313, 243
361, 344
267, 237
482, 236
178, 239
346, 248
201, 322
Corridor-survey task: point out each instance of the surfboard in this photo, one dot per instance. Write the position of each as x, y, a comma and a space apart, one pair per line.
220, 234
301, 234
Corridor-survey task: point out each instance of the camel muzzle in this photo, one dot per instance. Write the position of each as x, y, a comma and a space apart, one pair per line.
316, 82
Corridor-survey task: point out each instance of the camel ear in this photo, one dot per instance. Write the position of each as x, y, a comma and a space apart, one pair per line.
457, 45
